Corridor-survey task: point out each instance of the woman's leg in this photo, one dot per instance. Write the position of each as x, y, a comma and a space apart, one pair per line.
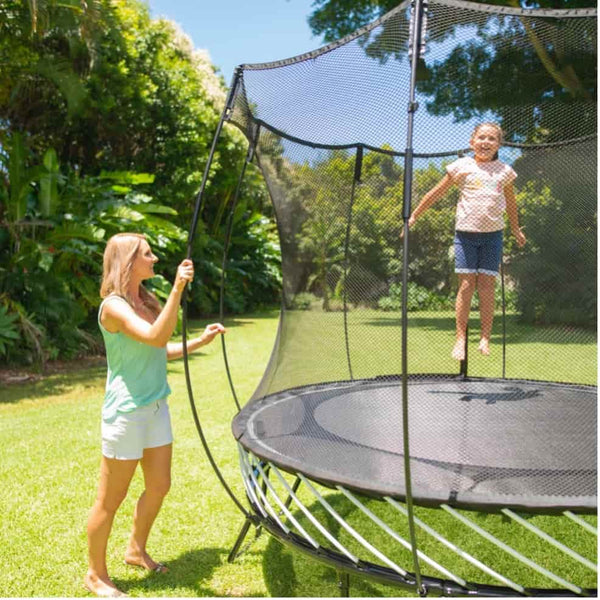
156, 465
486, 285
115, 477
466, 288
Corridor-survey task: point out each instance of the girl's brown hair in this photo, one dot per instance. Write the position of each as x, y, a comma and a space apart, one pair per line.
119, 256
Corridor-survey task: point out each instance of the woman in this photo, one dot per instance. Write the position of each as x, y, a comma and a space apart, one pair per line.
136, 425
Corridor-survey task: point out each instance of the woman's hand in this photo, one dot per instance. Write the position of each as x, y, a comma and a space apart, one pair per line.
175, 349
211, 332
185, 274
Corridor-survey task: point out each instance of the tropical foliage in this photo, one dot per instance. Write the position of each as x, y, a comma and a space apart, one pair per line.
106, 117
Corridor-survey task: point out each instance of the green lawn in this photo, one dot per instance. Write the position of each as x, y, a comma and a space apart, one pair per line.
49, 432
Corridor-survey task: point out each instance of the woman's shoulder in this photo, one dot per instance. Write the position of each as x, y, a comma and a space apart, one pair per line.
111, 297
112, 305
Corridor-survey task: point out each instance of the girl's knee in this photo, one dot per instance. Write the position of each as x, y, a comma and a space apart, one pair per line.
486, 282
467, 283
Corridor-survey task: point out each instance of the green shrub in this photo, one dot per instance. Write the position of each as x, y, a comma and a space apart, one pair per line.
8, 329
304, 301
418, 298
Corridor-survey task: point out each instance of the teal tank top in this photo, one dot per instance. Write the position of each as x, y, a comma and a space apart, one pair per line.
137, 372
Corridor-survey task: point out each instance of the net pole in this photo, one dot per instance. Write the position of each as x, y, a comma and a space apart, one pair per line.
355, 181
414, 48
503, 320
197, 212
247, 161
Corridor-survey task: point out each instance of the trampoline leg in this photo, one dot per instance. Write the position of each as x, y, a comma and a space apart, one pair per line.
344, 584
294, 489
240, 539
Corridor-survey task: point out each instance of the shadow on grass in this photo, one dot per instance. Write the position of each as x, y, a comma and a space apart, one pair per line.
235, 320
54, 385
291, 573
191, 570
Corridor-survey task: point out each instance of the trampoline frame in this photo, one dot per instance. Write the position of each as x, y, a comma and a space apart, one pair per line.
268, 515
256, 472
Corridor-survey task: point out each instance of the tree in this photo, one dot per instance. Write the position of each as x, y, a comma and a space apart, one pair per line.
538, 78
106, 117
497, 71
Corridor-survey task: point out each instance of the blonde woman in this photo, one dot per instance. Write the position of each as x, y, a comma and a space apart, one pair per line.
136, 426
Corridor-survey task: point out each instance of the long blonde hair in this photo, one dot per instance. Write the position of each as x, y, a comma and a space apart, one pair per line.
119, 256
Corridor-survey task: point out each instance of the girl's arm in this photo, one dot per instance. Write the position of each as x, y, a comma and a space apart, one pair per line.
120, 317
513, 215
430, 198
175, 349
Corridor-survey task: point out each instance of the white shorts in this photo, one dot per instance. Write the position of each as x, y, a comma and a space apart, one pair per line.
146, 427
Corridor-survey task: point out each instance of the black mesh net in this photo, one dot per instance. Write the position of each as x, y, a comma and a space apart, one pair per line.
331, 131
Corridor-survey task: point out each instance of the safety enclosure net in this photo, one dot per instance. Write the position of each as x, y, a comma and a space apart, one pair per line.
329, 131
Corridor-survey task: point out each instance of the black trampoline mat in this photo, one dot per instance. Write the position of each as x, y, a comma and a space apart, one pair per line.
477, 443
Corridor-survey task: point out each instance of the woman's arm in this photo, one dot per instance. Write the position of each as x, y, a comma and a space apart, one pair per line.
175, 349
513, 215
430, 198
120, 317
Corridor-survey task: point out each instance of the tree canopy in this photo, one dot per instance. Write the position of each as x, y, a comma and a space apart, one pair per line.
487, 73
106, 119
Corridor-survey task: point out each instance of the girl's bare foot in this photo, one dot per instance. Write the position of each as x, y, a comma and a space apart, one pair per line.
103, 588
484, 346
143, 560
458, 352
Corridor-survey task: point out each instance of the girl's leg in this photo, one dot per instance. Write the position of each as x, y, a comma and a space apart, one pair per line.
156, 465
486, 285
115, 477
466, 288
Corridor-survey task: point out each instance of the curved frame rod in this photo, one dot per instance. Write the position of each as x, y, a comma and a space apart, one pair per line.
197, 212
270, 510
249, 156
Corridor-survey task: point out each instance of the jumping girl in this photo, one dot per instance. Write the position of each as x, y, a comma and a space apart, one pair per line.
486, 191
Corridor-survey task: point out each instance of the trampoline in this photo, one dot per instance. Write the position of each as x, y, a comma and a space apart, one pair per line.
365, 446
541, 454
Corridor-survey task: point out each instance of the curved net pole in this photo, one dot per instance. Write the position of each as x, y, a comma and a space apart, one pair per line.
355, 182
249, 156
415, 46
197, 211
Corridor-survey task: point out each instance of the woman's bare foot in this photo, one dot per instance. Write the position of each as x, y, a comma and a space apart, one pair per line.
458, 352
484, 346
103, 588
144, 561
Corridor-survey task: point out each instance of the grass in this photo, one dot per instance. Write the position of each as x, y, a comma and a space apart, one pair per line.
49, 432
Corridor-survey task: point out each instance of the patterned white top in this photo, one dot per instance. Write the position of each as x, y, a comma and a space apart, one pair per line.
482, 203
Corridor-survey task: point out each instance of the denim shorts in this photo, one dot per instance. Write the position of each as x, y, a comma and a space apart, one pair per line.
478, 252
129, 433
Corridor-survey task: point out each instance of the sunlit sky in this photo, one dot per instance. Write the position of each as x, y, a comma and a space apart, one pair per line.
242, 31
256, 31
